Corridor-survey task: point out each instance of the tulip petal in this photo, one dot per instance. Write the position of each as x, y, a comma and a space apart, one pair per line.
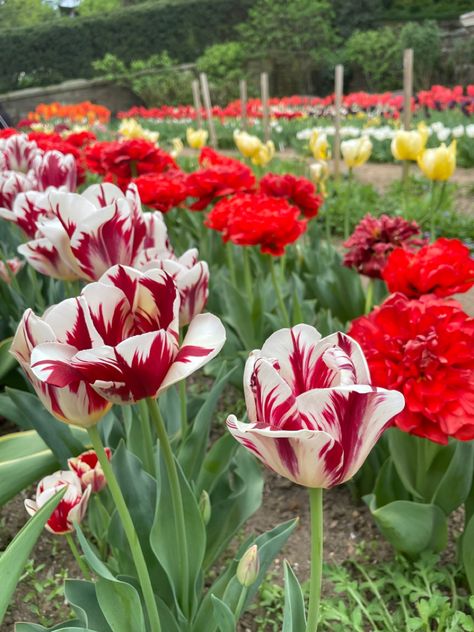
103, 194
45, 259
204, 339
109, 311
71, 322
297, 455
51, 362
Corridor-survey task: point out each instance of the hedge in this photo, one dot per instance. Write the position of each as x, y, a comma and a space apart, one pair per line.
64, 49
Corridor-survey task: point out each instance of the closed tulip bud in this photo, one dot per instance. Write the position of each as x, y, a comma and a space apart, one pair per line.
178, 147
88, 470
318, 144
10, 268
319, 173
247, 144
249, 566
196, 138
408, 145
356, 152
438, 163
264, 154
205, 506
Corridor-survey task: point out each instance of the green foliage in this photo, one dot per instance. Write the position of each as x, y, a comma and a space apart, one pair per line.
96, 7
461, 60
17, 13
184, 29
224, 65
155, 80
377, 54
292, 39
425, 39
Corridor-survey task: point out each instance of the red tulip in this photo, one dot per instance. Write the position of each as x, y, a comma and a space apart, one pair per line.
314, 415
88, 470
72, 506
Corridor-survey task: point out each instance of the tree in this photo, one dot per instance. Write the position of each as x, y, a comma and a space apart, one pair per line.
377, 54
224, 64
290, 38
15, 13
425, 39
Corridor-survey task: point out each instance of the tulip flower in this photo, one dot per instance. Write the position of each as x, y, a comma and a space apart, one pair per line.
88, 470
247, 144
10, 268
438, 163
356, 152
72, 506
264, 154
409, 145
178, 147
13, 183
19, 153
196, 138
120, 338
190, 275
131, 129
248, 567
314, 417
319, 173
26, 211
55, 169
318, 144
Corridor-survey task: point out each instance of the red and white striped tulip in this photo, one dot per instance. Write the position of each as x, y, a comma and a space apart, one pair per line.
190, 275
12, 183
130, 347
77, 403
84, 235
314, 416
10, 268
19, 153
26, 211
88, 470
72, 506
54, 169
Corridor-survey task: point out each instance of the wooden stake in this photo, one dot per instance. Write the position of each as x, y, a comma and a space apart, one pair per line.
197, 102
243, 103
338, 88
407, 95
207, 104
264, 89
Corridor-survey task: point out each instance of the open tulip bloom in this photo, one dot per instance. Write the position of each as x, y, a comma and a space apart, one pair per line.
314, 417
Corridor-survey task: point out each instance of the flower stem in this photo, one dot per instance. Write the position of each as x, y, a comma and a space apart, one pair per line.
369, 296
77, 557
176, 499
184, 409
135, 547
277, 288
230, 261
247, 275
316, 510
241, 602
148, 456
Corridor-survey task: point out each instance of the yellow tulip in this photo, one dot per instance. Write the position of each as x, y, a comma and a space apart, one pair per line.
438, 163
318, 144
247, 144
131, 129
196, 138
319, 173
356, 152
264, 154
178, 147
409, 145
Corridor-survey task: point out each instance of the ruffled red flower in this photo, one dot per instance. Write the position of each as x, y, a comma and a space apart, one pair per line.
7, 132
132, 158
80, 139
211, 158
218, 181
424, 349
93, 156
442, 268
374, 238
251, 219
162, 191
40, 137
297, 190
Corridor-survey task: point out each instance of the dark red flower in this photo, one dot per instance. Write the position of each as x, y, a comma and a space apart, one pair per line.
442, 268
79, 139
7, 132
162, 191
132, 158
93, 156
211, 158
424, 349
251, 219
374, 238
297, 190
218, 181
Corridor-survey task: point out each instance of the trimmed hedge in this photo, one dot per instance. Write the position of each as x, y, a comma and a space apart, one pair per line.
64, 49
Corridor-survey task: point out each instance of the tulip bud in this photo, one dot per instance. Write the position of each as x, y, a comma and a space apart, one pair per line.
205, 506
249, 566
196, 138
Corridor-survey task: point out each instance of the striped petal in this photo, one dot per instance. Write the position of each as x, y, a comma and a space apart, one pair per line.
203, 341
72, 324
297, 455
110, 312
42, 255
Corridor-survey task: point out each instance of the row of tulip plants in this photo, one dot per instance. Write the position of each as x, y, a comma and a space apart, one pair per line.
112, 308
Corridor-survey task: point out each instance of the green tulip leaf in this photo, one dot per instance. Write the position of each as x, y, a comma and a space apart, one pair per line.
294, 617
223, 615
120, 605
467, 552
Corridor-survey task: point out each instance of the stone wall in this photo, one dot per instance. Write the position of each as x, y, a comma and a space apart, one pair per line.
17, 104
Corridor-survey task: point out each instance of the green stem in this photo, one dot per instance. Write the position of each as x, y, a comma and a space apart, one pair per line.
316, 511
434, 211
176, 499
184, 409
369, 296
230, 262
133, 541
147, 442
277, 288
346, 206
241, 602
247, 275
77, 557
